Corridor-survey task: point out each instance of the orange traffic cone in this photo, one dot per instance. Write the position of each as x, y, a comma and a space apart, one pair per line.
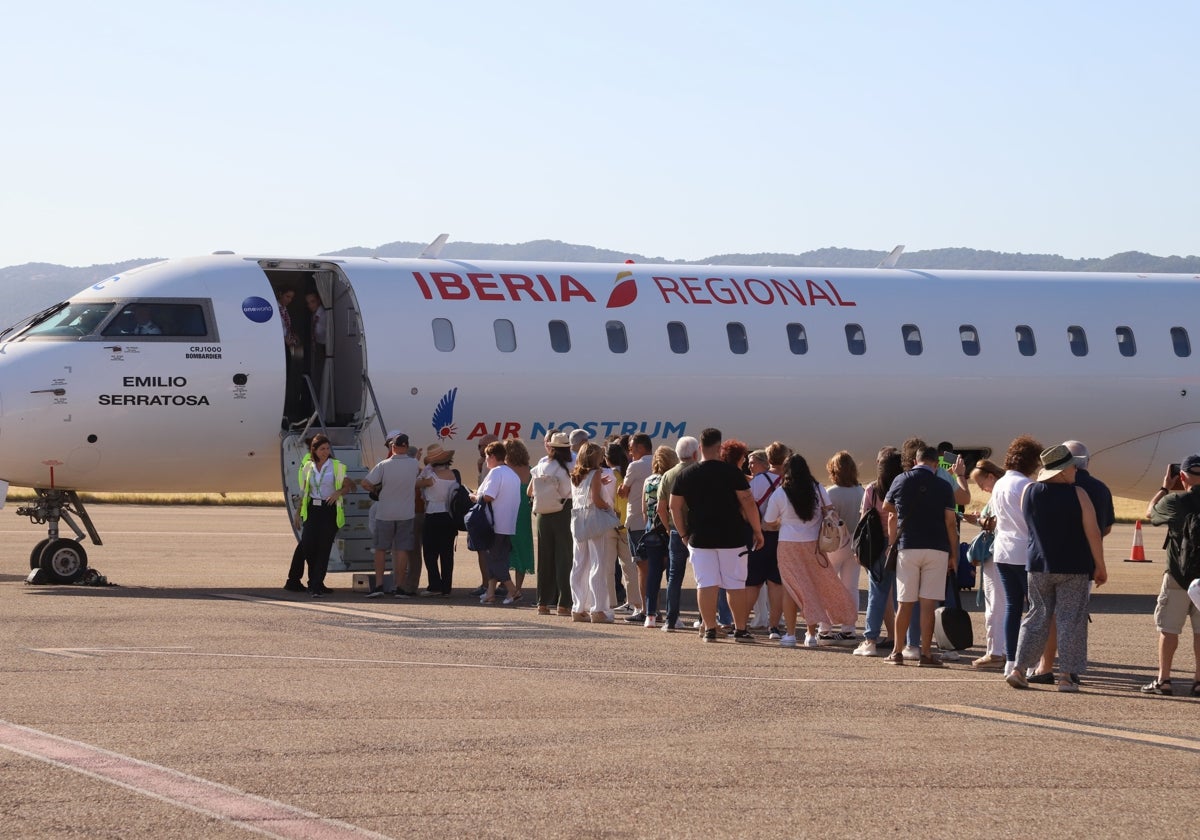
1137, 554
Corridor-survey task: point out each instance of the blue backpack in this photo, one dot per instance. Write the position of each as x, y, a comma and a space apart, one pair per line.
965, 577
481, 531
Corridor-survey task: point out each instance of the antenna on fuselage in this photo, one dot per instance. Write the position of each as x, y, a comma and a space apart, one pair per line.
891, 259
434, 248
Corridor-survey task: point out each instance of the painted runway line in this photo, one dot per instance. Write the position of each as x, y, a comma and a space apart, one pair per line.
227, 804
1062, 725
488, 666
319, 607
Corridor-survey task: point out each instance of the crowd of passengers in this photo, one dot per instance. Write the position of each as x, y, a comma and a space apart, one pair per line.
613, 520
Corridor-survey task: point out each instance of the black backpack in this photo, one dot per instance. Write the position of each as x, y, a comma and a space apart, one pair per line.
460, 503
869, 543
1187, 568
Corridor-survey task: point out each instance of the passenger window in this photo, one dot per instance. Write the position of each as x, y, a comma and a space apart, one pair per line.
443, 334
560, 337
677, 336
969, 336
618, 342
506, 336
1025, 342
1181, 342
739, 343
912, 339
797, 339
856, 339
1125, 342
1078, 340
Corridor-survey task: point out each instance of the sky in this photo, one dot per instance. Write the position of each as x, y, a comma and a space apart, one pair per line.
672, 129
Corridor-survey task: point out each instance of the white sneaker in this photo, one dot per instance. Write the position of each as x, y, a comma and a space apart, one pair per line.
950, 656
866, 648
696, 625
649, 622
911, 653
787, 641
811, 641
1008, 668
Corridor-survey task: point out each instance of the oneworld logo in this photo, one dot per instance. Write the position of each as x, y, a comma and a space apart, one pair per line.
257, 309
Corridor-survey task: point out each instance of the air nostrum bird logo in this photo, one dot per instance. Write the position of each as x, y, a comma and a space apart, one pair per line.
443, 416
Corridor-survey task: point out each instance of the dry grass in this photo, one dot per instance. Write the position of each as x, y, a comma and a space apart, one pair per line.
18, 494
1127, 510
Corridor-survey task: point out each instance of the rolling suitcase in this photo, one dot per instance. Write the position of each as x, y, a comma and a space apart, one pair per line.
952, 624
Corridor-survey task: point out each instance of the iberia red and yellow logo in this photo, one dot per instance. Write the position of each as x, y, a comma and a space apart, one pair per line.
624, 291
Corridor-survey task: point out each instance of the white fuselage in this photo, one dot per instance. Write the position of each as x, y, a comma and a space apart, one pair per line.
520, 349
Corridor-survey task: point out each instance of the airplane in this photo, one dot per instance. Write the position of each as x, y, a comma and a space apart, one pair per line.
452, 350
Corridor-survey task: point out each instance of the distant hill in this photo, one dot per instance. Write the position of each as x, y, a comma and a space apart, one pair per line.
28, 288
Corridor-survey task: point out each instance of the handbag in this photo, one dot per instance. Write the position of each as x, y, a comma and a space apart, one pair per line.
834, 534
590, 522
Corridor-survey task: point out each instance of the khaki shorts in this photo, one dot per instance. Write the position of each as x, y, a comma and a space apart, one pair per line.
921, 573
1173, 608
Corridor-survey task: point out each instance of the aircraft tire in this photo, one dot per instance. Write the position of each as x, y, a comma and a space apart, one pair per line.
35, 556
63, 560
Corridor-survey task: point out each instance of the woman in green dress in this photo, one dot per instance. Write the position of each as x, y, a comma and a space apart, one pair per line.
521, 560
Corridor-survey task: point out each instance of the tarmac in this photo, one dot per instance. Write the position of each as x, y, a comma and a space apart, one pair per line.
197, 698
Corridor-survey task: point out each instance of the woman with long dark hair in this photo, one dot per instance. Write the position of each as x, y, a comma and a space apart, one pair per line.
809, 581
881, 594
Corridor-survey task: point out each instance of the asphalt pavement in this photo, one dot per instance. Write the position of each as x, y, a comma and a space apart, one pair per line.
197, 698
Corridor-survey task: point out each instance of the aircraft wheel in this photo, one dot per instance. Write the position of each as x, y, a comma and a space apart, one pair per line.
35, 556
64, 560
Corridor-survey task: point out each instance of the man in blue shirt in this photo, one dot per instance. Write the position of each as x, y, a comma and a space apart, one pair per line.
922, 522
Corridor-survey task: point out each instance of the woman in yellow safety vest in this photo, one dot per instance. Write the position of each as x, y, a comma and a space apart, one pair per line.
324, 484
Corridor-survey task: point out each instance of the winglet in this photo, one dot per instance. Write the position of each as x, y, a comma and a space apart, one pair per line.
434, 248
891, 259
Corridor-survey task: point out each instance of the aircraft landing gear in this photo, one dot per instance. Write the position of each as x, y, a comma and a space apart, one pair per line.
63, 560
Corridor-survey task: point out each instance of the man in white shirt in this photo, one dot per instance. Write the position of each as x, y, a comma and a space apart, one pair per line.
502, 488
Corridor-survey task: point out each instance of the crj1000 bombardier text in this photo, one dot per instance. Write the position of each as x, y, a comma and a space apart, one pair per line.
177, 376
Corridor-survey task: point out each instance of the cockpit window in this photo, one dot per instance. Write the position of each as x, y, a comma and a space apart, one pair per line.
153, 318
187, 319
70, 320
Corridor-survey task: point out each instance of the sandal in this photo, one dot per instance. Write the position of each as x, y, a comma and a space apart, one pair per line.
1161, 687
